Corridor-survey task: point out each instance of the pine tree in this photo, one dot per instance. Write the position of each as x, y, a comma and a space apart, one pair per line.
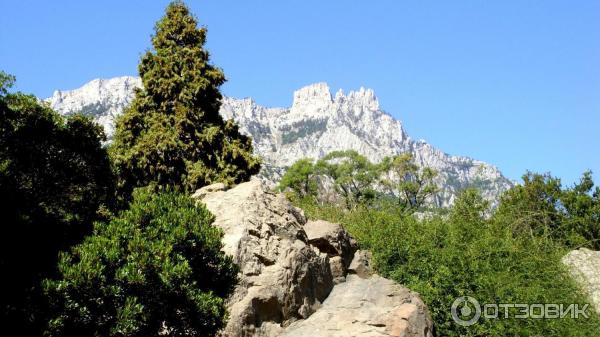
172, 133
353, 175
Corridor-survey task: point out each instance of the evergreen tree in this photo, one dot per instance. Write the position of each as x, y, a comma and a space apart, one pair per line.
582, 212
542, 206
172, 133
533, 205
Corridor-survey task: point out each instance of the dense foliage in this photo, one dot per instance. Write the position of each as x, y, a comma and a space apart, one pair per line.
356, 180
467, 254
155, 270
511, 255
172, 133
301, 178
55, 177
541, 206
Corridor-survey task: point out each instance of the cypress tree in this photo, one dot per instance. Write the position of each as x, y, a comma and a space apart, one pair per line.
172, 133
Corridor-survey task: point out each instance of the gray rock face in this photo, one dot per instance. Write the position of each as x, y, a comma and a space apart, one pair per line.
282, 279
288, 269
367, 307
332, 239
100, 98
584, 265
361, 264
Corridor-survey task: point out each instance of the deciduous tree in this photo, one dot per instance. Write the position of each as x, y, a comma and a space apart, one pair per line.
301, 178
55, 177
409, 183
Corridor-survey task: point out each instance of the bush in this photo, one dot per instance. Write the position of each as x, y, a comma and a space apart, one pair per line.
156, 269
465, 254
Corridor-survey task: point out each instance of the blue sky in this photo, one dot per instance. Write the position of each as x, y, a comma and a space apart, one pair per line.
513, 83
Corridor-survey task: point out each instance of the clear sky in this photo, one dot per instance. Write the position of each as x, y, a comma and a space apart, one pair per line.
513, 83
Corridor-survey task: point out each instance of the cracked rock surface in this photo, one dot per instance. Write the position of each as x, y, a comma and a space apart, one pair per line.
300, 278
366, 307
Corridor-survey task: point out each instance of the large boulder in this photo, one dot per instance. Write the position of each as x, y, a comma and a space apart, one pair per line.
374, 307
289, 267
333, 240
584, 265
282, 278
361, 264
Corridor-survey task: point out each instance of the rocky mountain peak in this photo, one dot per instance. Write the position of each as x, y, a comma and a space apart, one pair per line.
97, 89
364, 98
102, 98
313, 126
316, 94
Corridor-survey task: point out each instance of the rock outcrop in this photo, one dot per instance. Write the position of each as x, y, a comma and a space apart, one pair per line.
295, 274
333, 240
366, 307
584, 265
361, 264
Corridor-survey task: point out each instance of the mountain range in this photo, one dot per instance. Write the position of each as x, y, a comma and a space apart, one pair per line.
317, 123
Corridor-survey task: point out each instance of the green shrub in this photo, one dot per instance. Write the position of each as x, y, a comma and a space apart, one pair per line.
156, 269
465, 254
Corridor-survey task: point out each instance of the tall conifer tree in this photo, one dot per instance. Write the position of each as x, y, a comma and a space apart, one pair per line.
172, 133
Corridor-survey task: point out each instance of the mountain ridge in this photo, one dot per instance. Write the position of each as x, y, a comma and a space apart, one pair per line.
316, 123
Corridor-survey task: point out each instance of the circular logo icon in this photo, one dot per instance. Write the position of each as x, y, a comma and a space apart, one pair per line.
466, 311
